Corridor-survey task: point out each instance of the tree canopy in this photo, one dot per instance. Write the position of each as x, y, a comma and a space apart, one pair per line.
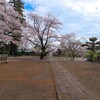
92, 44
41, 32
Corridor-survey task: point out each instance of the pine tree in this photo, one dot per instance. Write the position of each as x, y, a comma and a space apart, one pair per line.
93, 44
18, 6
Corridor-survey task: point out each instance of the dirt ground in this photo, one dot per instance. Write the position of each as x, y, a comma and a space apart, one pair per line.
85, 73
26, 80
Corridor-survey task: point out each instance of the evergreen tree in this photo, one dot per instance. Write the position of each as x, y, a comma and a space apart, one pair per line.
18, 6
93, 44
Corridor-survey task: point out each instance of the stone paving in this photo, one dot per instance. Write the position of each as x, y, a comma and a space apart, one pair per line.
67, 87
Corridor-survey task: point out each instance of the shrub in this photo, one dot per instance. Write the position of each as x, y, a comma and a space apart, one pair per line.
91, 56
98, 56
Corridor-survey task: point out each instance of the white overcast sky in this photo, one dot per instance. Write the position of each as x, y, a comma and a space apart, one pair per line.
79, 16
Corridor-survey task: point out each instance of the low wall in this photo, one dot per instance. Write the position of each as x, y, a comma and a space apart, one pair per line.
3, 58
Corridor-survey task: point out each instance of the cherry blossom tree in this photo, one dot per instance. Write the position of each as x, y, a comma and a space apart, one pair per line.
71, 44
41, 32
10, 26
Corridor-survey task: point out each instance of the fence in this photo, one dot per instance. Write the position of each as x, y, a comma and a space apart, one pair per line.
3, 58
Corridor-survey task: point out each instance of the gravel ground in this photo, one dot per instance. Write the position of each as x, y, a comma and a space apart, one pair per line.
26, 80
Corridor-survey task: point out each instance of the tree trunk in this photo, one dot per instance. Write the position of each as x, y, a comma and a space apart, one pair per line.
73, 56
11, 48
42, 54
15, 49
93, 47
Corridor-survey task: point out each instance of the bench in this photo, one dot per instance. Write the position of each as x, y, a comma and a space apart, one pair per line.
3, 58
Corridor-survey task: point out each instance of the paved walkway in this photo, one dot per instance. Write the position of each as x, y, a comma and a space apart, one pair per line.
68, 88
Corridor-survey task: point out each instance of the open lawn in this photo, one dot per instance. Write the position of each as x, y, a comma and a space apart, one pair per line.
26, 80
85, 73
